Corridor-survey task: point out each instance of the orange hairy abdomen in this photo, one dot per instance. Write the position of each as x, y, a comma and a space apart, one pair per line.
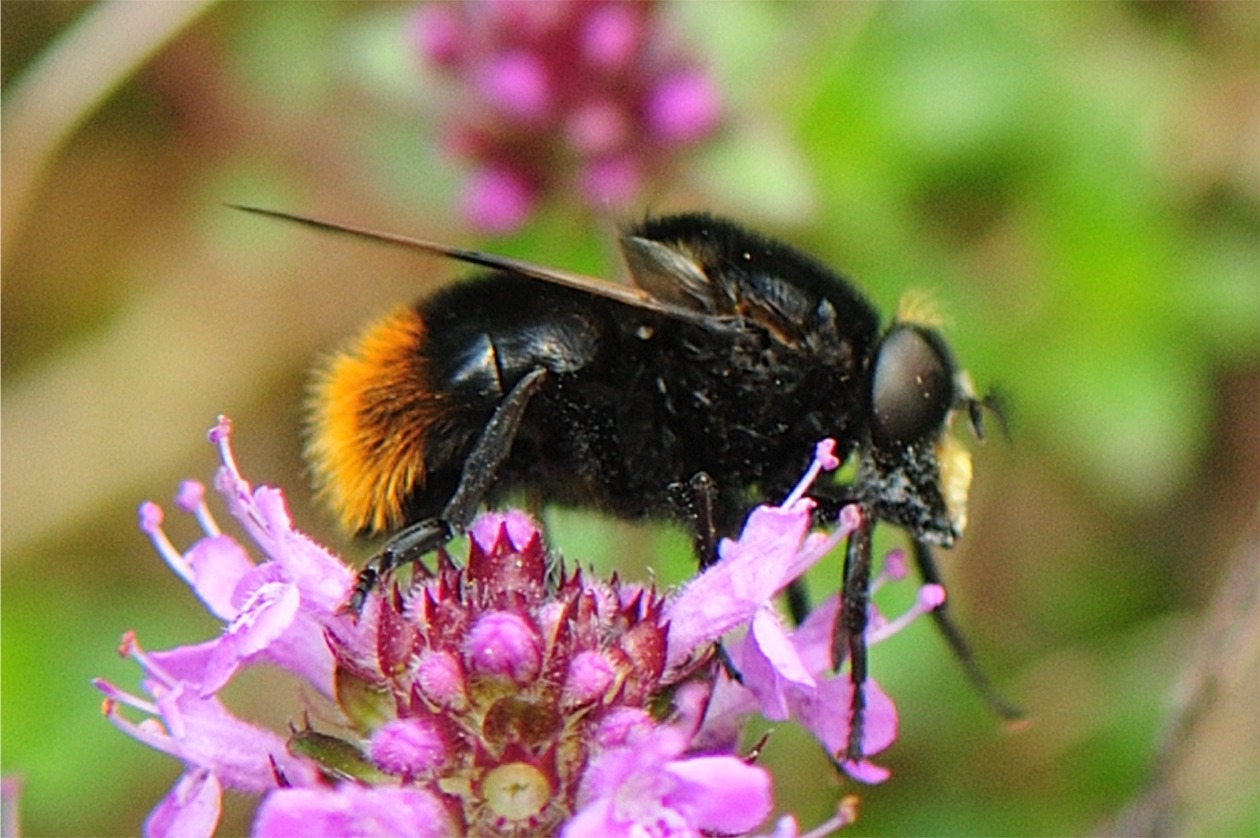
371, 409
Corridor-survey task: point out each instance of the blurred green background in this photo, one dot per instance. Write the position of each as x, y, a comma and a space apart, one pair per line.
1079, 186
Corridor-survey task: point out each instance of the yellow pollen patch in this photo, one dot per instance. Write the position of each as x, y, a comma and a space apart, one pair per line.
955, 463
370, 410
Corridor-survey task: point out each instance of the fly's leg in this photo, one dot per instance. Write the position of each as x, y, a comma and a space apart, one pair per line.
481, 467
958, 643
849, 635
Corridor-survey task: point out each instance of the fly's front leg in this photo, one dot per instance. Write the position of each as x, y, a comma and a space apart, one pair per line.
849, 634
958, 643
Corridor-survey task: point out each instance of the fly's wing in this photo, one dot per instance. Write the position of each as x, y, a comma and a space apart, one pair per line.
656, 296
715, 267
669, 273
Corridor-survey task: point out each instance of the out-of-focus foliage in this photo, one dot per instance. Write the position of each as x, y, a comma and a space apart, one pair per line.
1077, 185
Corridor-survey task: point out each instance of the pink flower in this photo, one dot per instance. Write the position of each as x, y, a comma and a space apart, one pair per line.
217, 749
275, 612
783, 674
774, 549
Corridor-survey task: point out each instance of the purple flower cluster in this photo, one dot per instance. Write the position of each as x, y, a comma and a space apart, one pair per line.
588, 98
504, 696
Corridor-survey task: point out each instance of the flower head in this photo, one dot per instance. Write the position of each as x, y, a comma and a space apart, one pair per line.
504, 693
494, 676
557, 96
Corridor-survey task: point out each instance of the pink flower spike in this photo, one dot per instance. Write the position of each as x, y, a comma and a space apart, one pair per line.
596, 98
506, 692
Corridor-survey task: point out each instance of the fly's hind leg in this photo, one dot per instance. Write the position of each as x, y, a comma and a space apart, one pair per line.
481, 468
697, 500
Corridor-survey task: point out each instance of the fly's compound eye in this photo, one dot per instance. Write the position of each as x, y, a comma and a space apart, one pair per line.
913, 386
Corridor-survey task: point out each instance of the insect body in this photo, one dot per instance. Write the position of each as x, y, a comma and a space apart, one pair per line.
692, 396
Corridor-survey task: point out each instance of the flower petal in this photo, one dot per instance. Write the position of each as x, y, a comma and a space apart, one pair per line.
824, 712
773, 642
241, 755
265, 616
218, 564
191, 808
720, 794
352, 810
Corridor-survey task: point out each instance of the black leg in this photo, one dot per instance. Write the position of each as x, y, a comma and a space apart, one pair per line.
481, 467
957, 642
405, 546
697, 501
703, 491
850, 628
492, 448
